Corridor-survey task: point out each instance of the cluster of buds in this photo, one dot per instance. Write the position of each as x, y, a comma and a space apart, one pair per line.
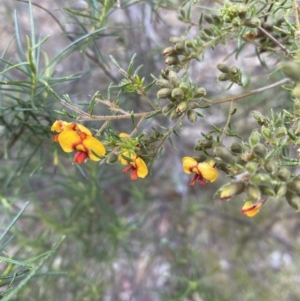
181, 95
232, 74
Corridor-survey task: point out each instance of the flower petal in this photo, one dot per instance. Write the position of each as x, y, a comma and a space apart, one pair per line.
141, 167
59, 125
123, 135
68, 140
83, 129
80, 157
207, 171
251, 209
128, 154
95, 148
188, 164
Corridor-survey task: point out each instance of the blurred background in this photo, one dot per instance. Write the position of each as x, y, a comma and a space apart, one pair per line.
155, 239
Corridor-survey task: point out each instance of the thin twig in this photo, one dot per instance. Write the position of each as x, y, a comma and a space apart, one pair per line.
255, 91
228, 121
295, 9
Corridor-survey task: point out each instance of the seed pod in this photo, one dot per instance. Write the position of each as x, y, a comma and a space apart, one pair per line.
293, 200
259, 150
164, 83
182, 107
111, 158
267, 191
223, 68
280, 132
252, 22
192, 116
266, 132
260, 179
203, 144
177, 93
225, 155
236, 148
184, 87
200, 92
254, 138
234, 71
166, 110
223, 77
208, 31
174, 115
169, 51
280, 190
283, 174
294, 186
253, 192
172, 60
230, 190
271, 166
164, 93
174, 78
251, 167
175, 40
179, 48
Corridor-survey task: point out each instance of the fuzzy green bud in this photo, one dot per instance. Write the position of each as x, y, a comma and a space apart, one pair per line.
175, 40
172, 60
169, 51
267, 191
223, 68
200, 92
180, 48
291, 70
208, 31
234, 71
203, 144
236, 148
208, 19
259, 150
164, 83
184, 87
242, 11
280, 132
280, 190
293, 200
166, 110
200, 158
251, 167
253, 192
164, 93
294, 186
296, 91
236, 22
266, 132
252, 22
261, 119
174, 78
271, 166
283, 174
254, 138
111, 158
193, 55
192, 116
260, 179
189, 44
174, 115
223, 77
177, 93
224, 154
182, 107
230, 190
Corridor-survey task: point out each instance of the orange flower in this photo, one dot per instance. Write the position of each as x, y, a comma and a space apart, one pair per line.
74, 136
136, 165
204, 171
251, 209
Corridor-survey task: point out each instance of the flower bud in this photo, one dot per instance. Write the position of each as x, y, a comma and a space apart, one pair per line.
252, 22
224, 154
294, 186
172, 60
182, 107
291, 70
200, 158
234, 71
283, 174
261, 119
166, 110
189, 44
236, 22
174, 115
180, 48
271, 166
242, 11
164, 83
260, 179
280, 190
259, 150
236, 148
293, 200
169, 51
208, 19
192, 116
230, 190
254, 138
203, 144
223, 68
184, 87
251, 167
174, 78
208, 31
177, 93
253, 192
111, 158
175, 40
223, 77
266, 132
193, 55
200, 92
267, 191
280, 132
164, 93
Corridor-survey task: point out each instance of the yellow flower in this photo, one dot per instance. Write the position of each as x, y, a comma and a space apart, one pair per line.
136, 165
251, 209
74, 136
204, 171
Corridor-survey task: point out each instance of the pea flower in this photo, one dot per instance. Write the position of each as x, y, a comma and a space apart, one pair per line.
251, 209
74, 136
136, 165
204, 171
